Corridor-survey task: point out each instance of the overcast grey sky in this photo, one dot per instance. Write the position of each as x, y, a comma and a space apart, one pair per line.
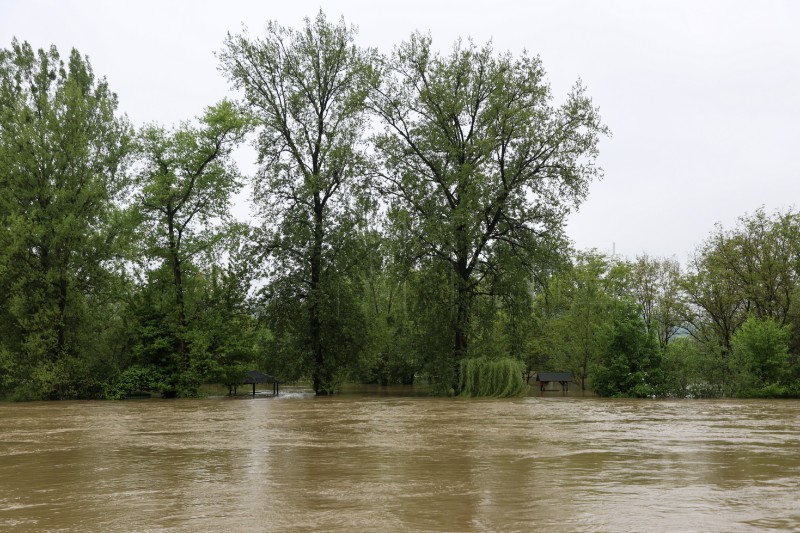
702, 97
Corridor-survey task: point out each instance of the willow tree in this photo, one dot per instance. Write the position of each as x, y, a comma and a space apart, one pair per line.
186, 181
62, 152
477, 154
306, 88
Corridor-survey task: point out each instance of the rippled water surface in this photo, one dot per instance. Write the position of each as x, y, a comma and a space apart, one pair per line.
400, 463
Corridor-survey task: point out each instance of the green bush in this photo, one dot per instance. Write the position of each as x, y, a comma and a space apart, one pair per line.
629, 364
134, 379
692, 370
760, 359
7, 369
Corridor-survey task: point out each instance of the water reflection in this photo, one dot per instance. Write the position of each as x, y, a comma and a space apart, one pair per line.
363, 462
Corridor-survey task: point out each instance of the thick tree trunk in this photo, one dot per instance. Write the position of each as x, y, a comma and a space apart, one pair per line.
319, 377
463, 300
460, 348
179, 300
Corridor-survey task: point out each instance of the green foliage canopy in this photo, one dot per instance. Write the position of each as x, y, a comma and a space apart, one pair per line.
480, 160
306, 89
63, 151
629, 362
760, 359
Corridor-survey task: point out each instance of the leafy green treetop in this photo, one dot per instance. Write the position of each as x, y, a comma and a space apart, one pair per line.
306, 89
62, 159
186, 181
477, 154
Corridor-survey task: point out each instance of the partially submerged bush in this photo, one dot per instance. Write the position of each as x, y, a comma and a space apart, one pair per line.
760, 359
135, 379
498, 378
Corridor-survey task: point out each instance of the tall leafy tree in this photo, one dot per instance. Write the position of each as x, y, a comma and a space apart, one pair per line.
716, 304
763, 256
186, 181
307, 89
386, 275
477, 154
575, 309
223, 333
655, 284
751, 269
62, 155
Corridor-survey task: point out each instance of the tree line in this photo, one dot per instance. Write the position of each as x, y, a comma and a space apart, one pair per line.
409, 224
727, 325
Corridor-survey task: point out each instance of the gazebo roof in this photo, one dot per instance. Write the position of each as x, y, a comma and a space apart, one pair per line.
255, 376
554, 376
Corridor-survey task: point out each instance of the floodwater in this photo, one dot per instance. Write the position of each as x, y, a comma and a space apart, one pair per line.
367, 463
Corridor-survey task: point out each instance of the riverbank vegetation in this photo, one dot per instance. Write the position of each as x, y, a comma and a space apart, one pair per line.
408, 225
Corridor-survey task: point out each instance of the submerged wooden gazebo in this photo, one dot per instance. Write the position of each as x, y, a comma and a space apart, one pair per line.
562, 378
255, 377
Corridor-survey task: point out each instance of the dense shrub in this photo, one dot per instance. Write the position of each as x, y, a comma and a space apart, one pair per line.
629, 364
760, 359
135, 379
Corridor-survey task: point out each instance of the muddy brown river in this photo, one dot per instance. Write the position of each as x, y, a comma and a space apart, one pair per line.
369, 463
